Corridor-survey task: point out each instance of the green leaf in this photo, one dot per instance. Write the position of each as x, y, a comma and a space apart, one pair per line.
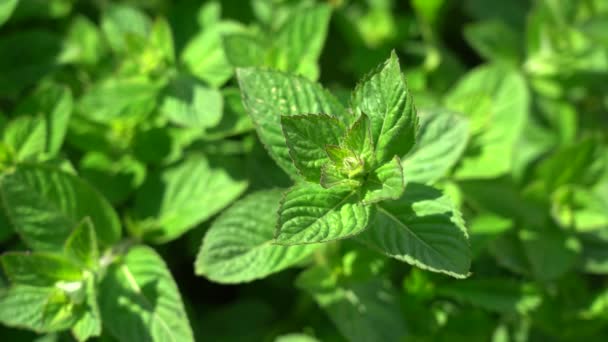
121, 23
39, 269
44, 204
53, 104
41, 309
181, 196
189, 103
139, 300
359, 139
295, 338
234, 120
496, 100
441, 141
89, 324
84, 42
421, 228
268, 95
383, 95
311, 214
238, 246
26, 136
495, 41
307, 136
81, 246
362, 310
244, 50
300, 40
384, 183
161, 39
6, 9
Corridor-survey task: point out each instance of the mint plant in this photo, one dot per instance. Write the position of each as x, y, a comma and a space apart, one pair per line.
349, 180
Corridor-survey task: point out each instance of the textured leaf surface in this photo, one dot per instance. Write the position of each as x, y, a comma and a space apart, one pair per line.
310, 214
383, 95
306, 136
421, 228
269, 94
442, 139
384, 183
26, 136
81, 246
182, 196
238, 246
44, 204
139, 300
39, 269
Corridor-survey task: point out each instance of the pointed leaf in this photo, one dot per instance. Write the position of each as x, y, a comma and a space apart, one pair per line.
268, 95
307, 136
89, 324
26, 136
238, 246
139, 300
441, 141
44, 204
421, 228
81, 246
39, 269
359, 139
383, 95
310, 214
384, 183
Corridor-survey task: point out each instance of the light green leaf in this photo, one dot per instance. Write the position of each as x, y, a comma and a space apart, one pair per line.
269, 94
307, 136
495, 41
161, 39
383, 95
384, 183
234, 120
238, 246
359, 139
44, 204
39, 269
120, 23
84, 42
53, 104
441, 141
300, 40
41, 309
310, 214
496, 122
89, 324
6, 9
295, 338
26, 136
139, 300
190, 104
421, 228
81, 246
495, 294
186, 194
204, 55
244, 50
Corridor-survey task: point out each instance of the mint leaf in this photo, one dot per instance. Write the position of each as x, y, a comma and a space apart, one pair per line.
268, 95
140, 301
89, 324
421, 228
178, 198
81, 246
6, 9
44, 204
384, 183
383, 95
359, 139
307, 136
41, 309
311, 214
442, 139
244, 50
26, 137
39, 269
238, 246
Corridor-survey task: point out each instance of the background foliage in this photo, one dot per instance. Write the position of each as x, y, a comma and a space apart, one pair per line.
133, 130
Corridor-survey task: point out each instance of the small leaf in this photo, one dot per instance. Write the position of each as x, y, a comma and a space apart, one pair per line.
311, 214
186, 194
383, 95
26, 136
89, 324
421, 228
441, 141
244, 50
307, 136
268, 95
81, 246
39, 269
44, 204
384, 183
238, 246
139, 300
359, 139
